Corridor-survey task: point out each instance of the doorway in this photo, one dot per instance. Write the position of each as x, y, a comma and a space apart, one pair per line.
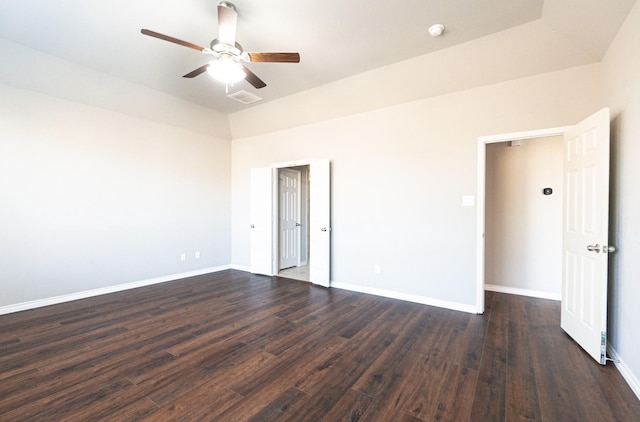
523, 217
293, 222
483, 143
265, 228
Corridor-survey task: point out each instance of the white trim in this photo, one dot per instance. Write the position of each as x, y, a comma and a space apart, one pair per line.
297, 163
523, 292
528, 134
481, 177
624, 370
23, 306
480, 200
245, 268
276, 218
456, 306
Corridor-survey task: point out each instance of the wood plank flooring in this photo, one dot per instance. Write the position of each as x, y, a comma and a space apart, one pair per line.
232, 346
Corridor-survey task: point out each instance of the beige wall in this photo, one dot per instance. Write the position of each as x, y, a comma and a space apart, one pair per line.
621, 69
92, 198
523, 227
399, 174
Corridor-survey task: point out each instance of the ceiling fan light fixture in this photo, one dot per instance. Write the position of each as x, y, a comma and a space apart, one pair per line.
226, 71
227, 52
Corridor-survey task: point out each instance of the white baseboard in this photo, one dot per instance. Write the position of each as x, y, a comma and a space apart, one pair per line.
456, 306
408, 297
522, 292
23, 306
628, 376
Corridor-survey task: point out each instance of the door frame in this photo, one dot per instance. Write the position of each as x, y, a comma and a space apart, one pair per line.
266, 257
299, 216
483, 141
275, 189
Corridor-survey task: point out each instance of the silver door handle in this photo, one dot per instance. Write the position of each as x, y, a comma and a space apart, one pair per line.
298, 224
324, 229
593, 248
253, 226
609, 249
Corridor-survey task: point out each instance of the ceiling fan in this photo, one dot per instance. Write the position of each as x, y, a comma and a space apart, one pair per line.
227, 53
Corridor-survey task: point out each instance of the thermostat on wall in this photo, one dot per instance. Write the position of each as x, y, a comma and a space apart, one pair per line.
547, 191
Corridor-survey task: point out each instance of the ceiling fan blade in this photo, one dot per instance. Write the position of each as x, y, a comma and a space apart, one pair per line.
227, 22
253, 79
275, 57
197, 72
171, 39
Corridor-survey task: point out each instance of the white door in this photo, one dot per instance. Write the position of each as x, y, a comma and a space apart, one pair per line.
320, 223
261, 221
289, 218
585, 234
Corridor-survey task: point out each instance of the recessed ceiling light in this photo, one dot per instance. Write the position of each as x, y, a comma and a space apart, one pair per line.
436, 30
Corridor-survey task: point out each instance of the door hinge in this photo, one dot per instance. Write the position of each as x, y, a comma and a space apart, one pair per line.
603, 348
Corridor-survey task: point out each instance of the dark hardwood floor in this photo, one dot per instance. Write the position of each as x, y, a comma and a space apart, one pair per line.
232, 346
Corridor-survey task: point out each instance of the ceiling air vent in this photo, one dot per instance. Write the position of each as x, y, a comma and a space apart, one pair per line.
244, 97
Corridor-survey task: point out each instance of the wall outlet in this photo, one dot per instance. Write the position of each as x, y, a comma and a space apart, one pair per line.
377, 269
196, 255
183, 256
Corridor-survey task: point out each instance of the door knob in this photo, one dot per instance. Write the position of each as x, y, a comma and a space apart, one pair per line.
298, 224
253, 226
609, 249
593, 248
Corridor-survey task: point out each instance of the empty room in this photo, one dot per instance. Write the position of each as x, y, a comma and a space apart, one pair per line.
196, 197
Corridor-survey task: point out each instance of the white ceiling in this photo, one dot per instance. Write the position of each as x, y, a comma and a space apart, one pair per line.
335, 39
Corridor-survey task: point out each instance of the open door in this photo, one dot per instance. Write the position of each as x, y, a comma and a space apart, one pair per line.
586, 234
320, 223
261, 212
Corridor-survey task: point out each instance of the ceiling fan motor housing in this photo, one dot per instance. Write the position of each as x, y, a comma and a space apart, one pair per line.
228, 5
219, 47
